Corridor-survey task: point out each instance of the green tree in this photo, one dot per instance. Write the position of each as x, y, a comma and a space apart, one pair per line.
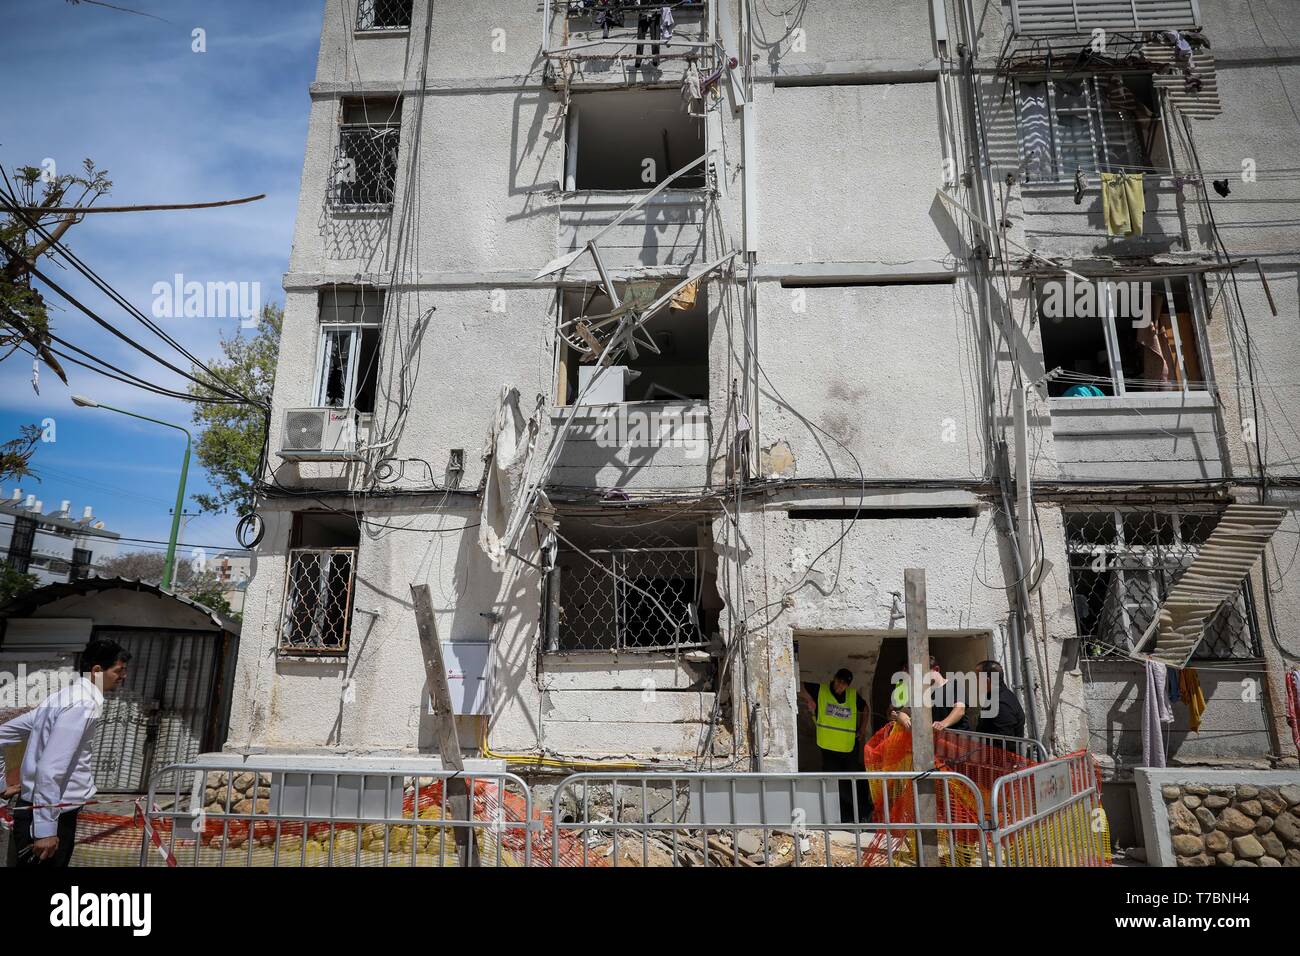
201, 586
14, 584
230, 444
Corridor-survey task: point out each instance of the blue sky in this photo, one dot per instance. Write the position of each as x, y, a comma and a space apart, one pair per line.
170, 125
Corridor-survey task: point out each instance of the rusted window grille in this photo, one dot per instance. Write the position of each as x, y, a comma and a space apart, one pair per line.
384, 14
318, 601
1122, 566
628, 598
365, 165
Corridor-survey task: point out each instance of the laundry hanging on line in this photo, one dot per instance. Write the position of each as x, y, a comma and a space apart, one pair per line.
1156, 713
1123, 203
1189, 687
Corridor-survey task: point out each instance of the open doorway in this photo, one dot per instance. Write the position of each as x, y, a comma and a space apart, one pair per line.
873, 658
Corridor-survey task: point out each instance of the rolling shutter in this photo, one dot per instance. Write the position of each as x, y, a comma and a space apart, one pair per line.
1060, 17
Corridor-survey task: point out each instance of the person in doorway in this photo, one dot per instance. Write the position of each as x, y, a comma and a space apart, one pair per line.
947, 706
56, 781
1000, 712
841, 717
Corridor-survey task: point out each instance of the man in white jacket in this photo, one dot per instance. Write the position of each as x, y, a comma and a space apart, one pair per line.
56, 781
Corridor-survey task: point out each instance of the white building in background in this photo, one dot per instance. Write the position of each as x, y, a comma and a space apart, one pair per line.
233, 569
853, 213
54, 546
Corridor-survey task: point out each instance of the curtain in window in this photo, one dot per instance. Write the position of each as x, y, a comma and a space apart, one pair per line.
1036, 133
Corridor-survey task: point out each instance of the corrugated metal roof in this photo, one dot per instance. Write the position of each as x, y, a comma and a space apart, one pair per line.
1059, 17
55, 592
1214, 577
1197, 102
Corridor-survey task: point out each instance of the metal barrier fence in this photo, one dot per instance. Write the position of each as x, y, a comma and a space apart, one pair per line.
1050, 815
766, 819
260, 815
405, 814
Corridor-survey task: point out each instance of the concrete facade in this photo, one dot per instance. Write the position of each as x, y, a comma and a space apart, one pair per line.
861, 351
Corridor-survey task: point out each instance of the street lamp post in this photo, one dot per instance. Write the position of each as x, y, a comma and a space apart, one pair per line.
170, 561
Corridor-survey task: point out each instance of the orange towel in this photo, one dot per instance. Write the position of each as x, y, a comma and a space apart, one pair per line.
1189, 691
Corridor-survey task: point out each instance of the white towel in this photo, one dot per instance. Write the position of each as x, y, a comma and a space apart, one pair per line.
1156, 712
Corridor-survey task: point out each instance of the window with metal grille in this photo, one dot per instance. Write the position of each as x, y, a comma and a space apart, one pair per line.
20, 544
1116, 337
1122, 566
318, 601
365, 162
638, 590
384, 14
1089, 124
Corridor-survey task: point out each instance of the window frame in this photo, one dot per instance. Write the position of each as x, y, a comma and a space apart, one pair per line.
1146, 564
392, 125
356, 329
1094, 111
361, 27
1114, 358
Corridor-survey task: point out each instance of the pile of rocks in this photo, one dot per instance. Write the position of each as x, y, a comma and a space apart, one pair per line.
247, 792
1239, 825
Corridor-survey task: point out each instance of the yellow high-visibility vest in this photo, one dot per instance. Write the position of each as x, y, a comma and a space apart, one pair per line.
837, 723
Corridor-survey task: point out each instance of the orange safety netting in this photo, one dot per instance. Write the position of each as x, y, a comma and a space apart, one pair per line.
498, 824
983, 763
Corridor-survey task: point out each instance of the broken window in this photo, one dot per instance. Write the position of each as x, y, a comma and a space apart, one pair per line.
628, 588
677, 371
383, 14
632, 140
365, 163
1115, 337
21, 541
1093, 124
348, 361
1123, 564
319, 581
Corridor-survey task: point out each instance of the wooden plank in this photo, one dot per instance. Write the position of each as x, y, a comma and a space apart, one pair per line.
918, 662
435, 672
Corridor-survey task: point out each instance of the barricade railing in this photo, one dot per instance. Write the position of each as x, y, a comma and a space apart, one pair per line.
767, 819
1050, 814
299, 814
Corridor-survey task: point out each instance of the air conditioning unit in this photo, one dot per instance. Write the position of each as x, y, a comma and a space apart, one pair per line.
319, 434
607, 386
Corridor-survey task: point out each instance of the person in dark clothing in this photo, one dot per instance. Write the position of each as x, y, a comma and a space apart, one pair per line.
1002, 713
947, 702
841, 718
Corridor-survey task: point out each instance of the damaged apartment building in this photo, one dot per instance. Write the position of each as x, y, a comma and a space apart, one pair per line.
658, 340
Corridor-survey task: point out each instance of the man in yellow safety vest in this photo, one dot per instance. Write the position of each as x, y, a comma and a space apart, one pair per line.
840, 715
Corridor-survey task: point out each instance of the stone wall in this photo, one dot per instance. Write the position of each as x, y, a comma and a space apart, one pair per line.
1220, 817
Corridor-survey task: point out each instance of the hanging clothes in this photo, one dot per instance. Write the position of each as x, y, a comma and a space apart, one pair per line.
1123, 203
1080, 184
648, 27
666, 24
1156, 712
691, 93
1189, 686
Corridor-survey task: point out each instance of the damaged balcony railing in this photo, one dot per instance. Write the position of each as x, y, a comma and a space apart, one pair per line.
365, 165
317, 601
627, 599
1123, 564
603, 29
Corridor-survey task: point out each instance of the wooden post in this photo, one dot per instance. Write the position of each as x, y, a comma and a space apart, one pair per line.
918, 663
435, 672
